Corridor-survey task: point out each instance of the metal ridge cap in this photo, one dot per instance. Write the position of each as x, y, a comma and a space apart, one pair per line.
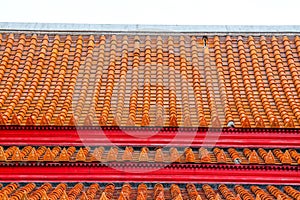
147, 28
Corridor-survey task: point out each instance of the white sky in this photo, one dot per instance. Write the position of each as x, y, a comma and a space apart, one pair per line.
189, 12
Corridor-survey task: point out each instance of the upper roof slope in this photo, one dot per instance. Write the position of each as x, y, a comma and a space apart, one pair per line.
156, 79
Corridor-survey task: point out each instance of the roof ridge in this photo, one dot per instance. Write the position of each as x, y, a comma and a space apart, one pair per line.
13, 26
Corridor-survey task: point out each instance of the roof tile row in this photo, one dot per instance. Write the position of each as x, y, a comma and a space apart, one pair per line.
202, 155
143, 191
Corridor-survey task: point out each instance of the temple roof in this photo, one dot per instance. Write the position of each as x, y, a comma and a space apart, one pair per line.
91, 104
135, 79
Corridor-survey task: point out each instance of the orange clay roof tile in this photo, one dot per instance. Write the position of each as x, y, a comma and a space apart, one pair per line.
267, 156
2, 154
141, 191
33, 156
137, 80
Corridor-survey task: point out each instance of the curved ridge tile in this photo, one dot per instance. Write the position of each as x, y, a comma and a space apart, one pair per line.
260, 193
1, 44
6, 55
267, 156
248, 87
134, 83
226, 193
184, 84
284, 158
192, 192
48, 80
22, 192
147, 83
110, 82
98, 78
172, 83
122, 84
288, 120
158, 193
234, 84
277, 192
11, 77
73, 79
260, 85
196, 83
283, 79
209, 192
221, 80
34, 84
291, 63
297, 44
159, 84
84, 86
22, 81
243, 192
41, 192
210, 90
291, 191
59, 83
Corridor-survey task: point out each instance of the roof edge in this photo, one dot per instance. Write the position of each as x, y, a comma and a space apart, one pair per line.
68, 27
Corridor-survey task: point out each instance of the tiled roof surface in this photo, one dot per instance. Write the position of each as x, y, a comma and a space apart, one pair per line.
156, 80
142, 191
144, 154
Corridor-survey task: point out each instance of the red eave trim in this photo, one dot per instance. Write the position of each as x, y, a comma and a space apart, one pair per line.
150, 173
149, 136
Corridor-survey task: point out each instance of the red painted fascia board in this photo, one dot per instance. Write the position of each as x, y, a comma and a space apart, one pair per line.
148, 136
125, 173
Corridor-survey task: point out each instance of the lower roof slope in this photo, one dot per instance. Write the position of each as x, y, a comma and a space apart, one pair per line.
156, 191
149, 80
136, 164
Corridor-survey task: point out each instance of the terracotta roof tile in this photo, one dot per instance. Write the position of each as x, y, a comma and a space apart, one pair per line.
234, 84
159, 84
122, 85
267, 156
172, 83
221, 79
144, 191
162, 80
136, 154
